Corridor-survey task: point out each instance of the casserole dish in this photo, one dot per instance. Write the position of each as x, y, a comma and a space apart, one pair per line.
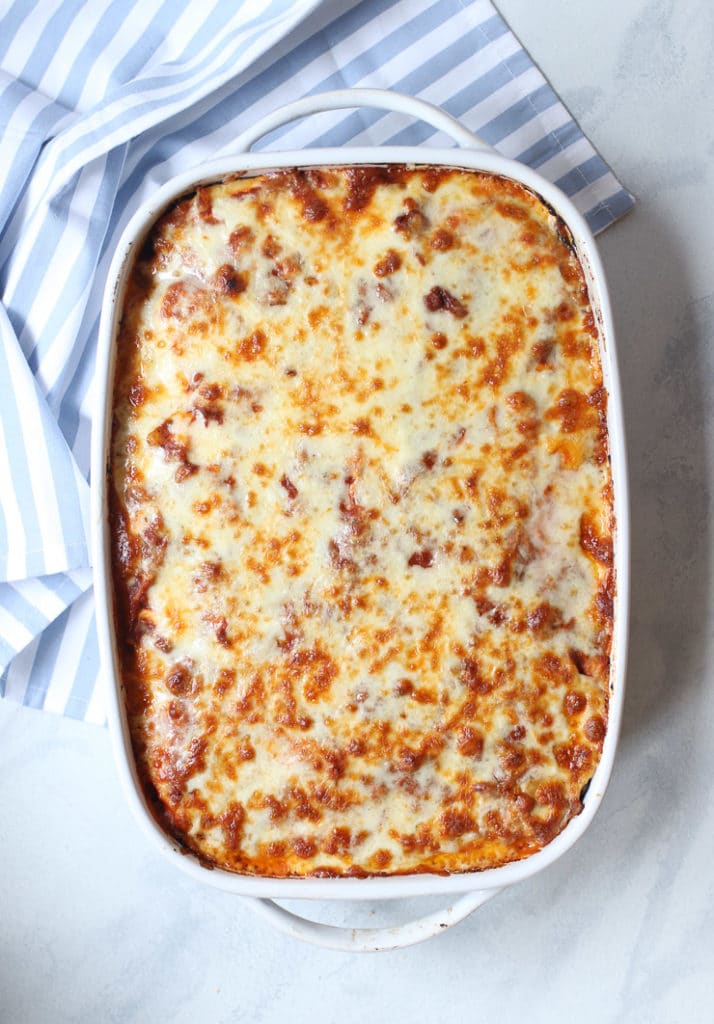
477, 887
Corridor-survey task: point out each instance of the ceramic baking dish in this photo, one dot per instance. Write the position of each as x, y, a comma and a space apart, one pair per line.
462, 893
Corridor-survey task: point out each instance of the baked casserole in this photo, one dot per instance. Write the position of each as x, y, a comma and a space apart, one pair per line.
362, 522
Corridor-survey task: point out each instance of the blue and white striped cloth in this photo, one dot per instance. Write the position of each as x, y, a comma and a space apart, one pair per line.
103, 101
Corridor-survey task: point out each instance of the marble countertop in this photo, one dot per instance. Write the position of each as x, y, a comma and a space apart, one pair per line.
94, 926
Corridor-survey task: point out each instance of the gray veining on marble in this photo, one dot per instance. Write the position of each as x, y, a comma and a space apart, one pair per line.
95, 927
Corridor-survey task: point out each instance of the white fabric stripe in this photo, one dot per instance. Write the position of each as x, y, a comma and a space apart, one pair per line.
69, 654
95, 712
12, 631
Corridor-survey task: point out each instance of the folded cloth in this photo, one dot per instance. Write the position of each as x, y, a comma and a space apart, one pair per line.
99, 105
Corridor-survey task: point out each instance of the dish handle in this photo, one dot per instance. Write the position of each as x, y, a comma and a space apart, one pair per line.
344, 99
369, 940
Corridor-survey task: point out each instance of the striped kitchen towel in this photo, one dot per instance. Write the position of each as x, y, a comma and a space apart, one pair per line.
102, 102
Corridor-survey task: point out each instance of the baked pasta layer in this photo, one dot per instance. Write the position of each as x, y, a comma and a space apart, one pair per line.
362, 522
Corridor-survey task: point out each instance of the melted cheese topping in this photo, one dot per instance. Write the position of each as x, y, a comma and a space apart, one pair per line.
362, 522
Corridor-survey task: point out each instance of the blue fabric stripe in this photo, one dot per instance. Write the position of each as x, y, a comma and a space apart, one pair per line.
598, 218
620, 203
35, 270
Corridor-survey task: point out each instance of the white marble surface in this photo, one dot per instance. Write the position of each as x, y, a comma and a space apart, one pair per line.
95, 927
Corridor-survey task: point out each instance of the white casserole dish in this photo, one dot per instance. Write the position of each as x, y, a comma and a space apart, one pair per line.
462, 892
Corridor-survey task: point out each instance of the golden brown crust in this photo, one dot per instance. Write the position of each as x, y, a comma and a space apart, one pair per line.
362, 522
